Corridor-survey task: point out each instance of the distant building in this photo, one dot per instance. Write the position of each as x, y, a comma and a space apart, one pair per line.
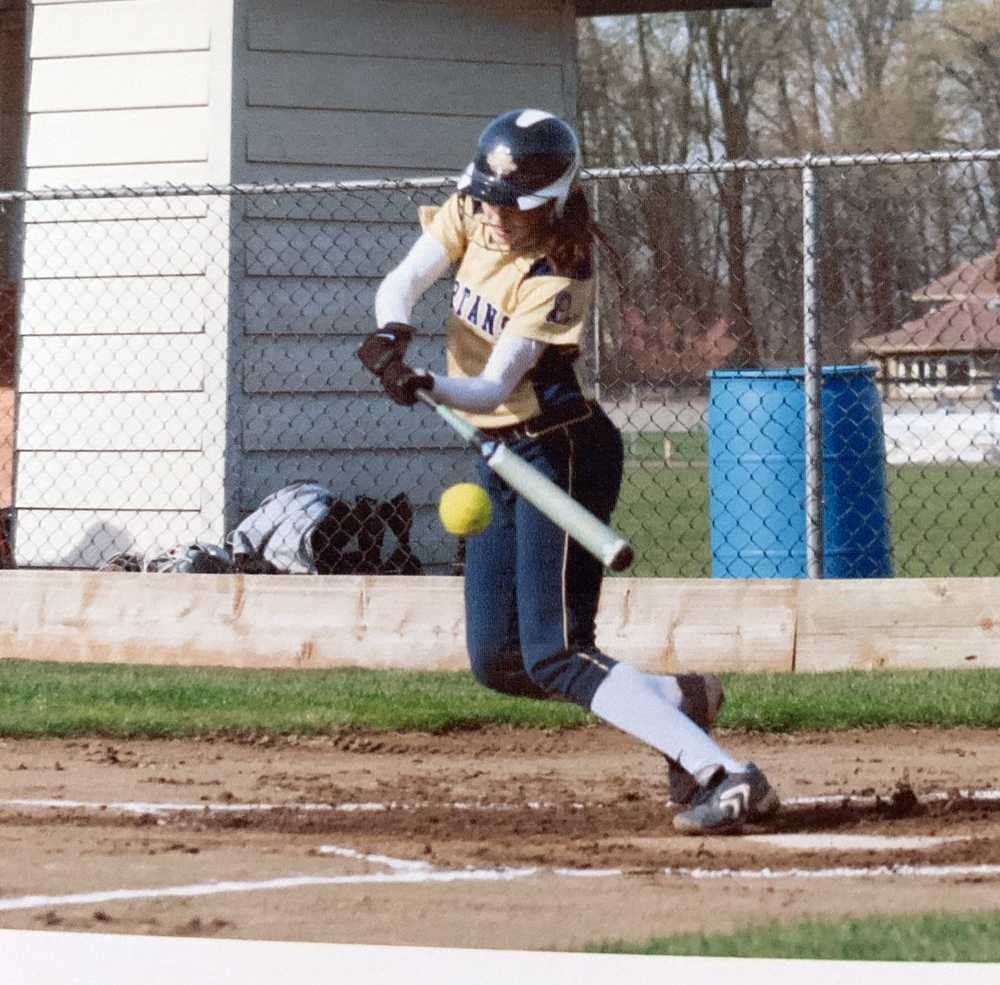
954, 350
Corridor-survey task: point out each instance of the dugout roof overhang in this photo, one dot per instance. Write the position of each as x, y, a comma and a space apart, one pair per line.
607, 8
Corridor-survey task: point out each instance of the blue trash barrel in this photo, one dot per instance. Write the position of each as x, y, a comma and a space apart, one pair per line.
756, 457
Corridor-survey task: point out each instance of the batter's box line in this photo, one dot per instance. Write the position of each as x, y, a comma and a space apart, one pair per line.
409, 873
139, 807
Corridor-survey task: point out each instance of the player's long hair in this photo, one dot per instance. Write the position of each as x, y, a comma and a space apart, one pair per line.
570, 241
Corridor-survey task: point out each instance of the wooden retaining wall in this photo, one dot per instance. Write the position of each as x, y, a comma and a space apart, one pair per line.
657, 624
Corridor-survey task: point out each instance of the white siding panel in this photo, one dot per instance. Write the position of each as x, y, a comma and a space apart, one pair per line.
364, 139
113, 305
325, 249
294, 423
120, 249
294, 366
92, 480
277, 171
116, 175
422, 475
119, 82
112, 363
114, 209
120, 27
367, 205
285, 305
86, 538
131, 136
401, 85
110, 421
476, 32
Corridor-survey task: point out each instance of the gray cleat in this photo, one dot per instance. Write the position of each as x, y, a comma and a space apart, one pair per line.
702, 699
725, 801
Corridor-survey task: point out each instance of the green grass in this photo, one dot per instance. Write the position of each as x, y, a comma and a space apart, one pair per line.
943, 518
41, 698
928, 937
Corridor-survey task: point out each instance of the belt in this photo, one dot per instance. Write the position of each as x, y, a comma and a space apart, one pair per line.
536, 426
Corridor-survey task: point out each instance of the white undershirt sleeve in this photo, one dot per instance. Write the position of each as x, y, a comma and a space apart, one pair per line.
403, 286
511, 358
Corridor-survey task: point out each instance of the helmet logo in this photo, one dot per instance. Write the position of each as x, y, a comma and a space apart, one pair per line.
501, 161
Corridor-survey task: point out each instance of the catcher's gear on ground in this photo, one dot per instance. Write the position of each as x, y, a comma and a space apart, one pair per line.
384, 347
401, 382
725, 801
525, 158
198, 558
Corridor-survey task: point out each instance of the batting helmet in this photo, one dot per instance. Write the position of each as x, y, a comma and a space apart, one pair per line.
525, 158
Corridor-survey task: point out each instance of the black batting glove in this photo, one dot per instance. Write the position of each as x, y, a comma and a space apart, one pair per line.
385, 346
401, 382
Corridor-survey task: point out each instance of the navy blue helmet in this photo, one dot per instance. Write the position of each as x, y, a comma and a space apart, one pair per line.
525, 158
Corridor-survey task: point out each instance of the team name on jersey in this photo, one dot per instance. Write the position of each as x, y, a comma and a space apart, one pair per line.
477, 311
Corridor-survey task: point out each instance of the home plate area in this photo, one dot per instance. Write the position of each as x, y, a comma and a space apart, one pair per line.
562, 837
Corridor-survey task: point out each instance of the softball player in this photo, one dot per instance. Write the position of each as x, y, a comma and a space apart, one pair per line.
519, 235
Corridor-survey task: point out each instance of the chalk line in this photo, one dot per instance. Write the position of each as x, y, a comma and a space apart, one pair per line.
410, 872
139, 807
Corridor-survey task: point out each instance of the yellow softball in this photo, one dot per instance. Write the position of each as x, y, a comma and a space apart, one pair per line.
465, 509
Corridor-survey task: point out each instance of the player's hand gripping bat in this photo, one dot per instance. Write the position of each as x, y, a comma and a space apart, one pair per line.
605, 544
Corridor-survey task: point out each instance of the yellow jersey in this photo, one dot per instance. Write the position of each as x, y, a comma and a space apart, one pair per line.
496, 290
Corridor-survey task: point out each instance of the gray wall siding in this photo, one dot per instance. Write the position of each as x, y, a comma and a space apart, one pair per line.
335, 90
124, 353
205, 346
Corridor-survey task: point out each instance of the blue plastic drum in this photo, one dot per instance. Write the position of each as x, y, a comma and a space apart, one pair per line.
756, 452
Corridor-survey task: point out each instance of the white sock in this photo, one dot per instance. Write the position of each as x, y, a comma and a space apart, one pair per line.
641, 704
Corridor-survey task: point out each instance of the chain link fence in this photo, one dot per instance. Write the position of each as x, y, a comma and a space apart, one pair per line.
170, 357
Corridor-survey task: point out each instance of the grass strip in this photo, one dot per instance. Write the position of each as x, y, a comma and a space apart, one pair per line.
927, 937
943, 518
64, 699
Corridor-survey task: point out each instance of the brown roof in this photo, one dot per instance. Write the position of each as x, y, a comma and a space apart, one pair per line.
605, 8
962, 326
979, 278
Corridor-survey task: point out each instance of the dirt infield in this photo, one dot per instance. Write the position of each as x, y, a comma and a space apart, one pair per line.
499, 838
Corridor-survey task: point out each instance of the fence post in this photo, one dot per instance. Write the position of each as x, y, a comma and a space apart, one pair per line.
597, 305
813, 364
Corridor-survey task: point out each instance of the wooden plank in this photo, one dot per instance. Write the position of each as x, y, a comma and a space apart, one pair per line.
364, 421
374, 140
422, 475
129, 136
288, 305
234, 621
898, 624
114, 363
111, 422
87, 538
301, 366
119, 82
117, 305
324, 249
110, 481
61, 30
513, 32
704, 625
297, 621
662, 625
122, 249
399, 85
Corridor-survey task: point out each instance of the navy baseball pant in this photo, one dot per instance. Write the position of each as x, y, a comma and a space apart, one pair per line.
531, 593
